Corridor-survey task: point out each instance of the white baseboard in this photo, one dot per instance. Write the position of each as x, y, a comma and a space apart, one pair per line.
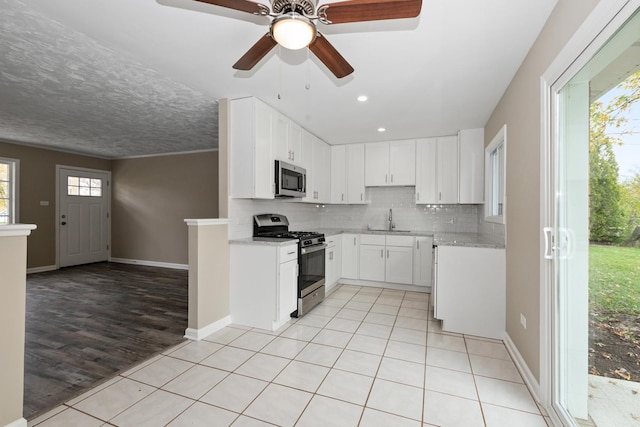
20, 422
150, 263
529, 379
198, 334
388, 285
42, 269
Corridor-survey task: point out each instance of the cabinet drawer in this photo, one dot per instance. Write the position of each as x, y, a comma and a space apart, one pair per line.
331, 241
287, 253
405, 241
372, 239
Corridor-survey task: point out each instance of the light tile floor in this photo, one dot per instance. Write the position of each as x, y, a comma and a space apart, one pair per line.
364, 357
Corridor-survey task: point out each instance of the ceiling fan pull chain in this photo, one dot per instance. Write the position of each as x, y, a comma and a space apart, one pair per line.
279, 71
307, 86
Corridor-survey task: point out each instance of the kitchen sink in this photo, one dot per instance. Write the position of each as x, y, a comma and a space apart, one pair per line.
390, 231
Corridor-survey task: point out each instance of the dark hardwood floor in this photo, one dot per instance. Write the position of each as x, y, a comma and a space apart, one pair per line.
86, 324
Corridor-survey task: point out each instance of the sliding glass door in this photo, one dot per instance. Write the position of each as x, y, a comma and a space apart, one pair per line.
567, 216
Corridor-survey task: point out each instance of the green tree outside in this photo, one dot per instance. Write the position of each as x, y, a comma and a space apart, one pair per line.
614, 208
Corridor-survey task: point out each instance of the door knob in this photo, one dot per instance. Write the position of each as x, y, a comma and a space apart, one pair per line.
63, 223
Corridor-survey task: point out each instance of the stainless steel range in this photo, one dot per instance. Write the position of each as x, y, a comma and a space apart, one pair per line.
311, 257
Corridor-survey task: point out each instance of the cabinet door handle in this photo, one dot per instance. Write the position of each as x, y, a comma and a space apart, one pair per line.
354, 241
385, 178
290, 253
392, 178
342, 197
417, 244
418, 197
387, 253
439, 195
361, 196
381, 253
330, 255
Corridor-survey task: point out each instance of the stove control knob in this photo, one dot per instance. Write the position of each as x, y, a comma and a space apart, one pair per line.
307, 242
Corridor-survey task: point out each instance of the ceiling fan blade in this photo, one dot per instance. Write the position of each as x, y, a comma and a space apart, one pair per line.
241, 5
256, 53
369, 10
330, 57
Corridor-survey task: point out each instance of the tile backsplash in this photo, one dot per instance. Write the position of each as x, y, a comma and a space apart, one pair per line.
406, 214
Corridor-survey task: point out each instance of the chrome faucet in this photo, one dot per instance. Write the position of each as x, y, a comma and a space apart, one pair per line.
391, 226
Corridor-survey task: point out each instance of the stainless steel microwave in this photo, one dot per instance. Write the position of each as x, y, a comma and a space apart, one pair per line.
291, 180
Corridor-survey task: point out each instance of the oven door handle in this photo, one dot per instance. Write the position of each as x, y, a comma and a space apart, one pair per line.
314, 248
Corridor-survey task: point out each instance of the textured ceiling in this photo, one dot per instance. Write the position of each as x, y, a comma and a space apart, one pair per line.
60, 88
131, 77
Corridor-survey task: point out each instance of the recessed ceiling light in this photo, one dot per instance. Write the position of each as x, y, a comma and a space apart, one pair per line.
362, 98
381, 129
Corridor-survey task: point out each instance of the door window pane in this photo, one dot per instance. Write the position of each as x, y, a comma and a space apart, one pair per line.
83, 186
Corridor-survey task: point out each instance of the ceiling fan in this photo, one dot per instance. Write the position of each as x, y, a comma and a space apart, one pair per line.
293, 25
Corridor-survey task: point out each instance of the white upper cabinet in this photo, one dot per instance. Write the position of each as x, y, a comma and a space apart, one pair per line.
376, 164
287, 139
280, 136
307, 162
355, 173
322, 167
426, 171
338, 174
471, 165
447, 158
259, 135
347, 174
390, 163
252, 158
402, 163
295, 144
316, 159
437, 170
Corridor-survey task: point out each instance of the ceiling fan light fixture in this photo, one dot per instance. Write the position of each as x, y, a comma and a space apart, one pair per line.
293, 31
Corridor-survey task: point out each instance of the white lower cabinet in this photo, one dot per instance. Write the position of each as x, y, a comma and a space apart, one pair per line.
350, 256
386, 258
399, 264
287, 288
263, 284
423, 261
372, 264
399, 261
333, 261
469, 290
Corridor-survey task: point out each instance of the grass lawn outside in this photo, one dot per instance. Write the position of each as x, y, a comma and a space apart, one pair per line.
614, 280
614, 312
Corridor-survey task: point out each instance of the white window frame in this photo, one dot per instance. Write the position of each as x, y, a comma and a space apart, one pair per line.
495, 177
14, 172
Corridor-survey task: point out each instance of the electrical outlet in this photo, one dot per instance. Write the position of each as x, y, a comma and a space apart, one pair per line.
523, 321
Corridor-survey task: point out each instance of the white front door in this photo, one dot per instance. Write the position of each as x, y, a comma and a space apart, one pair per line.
83, 216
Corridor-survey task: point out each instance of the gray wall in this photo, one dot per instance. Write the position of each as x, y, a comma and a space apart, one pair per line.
519, 109
151, 198
37, 182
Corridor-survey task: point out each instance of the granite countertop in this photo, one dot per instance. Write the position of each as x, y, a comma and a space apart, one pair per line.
266, 241
443, 239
